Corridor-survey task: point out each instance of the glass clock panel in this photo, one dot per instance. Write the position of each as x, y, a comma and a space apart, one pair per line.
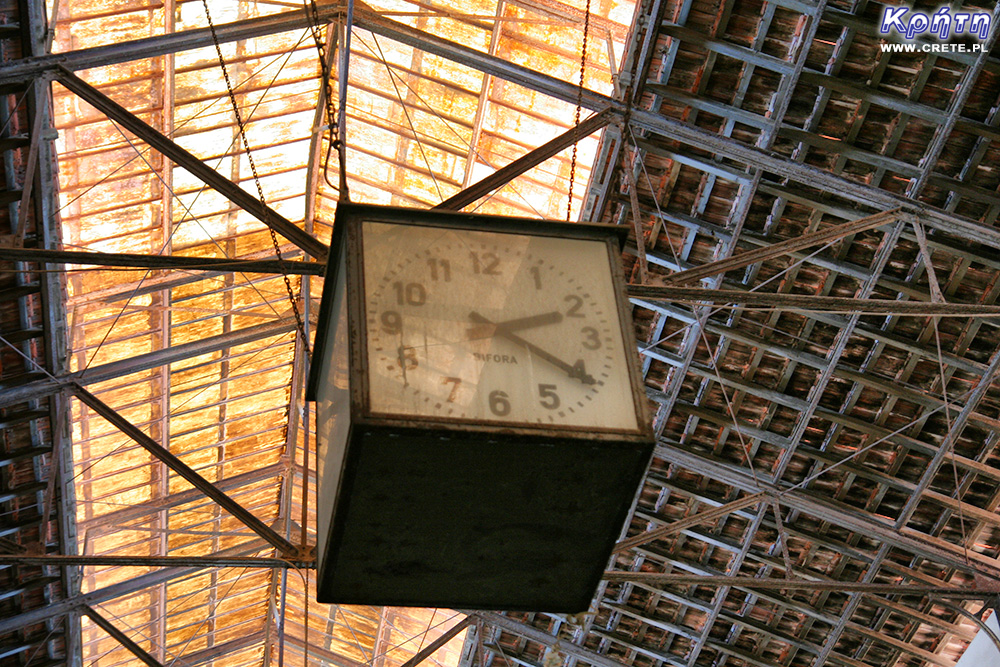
494, 327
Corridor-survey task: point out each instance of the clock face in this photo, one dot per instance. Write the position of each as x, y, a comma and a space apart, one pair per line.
496, 327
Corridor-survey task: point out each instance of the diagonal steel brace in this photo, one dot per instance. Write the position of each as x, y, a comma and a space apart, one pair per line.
284, 547
191, 163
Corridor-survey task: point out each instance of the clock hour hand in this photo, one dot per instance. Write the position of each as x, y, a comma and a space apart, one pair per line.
487, 329
569, 369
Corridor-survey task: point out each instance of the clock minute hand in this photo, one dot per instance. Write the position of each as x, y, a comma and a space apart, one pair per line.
534, 349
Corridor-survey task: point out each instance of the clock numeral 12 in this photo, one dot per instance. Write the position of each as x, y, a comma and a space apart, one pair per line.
487, 265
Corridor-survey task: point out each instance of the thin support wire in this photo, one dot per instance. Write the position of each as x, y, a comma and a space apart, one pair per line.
166, 243
409, 121
292, 298
864, 449
448, 125
200, 114
188, 212
938, 296
409, 639
210, 615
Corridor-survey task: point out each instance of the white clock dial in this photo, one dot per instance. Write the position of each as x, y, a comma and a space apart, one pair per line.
495, 327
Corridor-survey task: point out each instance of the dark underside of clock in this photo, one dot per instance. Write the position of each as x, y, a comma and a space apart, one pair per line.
439, 520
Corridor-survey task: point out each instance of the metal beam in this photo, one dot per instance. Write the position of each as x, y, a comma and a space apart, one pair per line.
176, 262
60, 560
534, 634
429, 650
934, 549
783, 248
754, 583
283, 546
38, 388
807, 302
688, 522
120, 637
532, 159
952, 246
801, 356
58, 608
182, 158
27, 69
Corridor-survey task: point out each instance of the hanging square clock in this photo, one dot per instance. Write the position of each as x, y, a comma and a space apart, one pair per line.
482, 430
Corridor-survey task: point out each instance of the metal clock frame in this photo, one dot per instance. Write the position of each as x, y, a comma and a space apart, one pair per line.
348, 233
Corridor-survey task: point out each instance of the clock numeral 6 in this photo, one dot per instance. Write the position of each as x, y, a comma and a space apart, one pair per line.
499, 405
412, 294
549, 397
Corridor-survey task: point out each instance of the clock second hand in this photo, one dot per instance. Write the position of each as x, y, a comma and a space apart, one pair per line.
534, 349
